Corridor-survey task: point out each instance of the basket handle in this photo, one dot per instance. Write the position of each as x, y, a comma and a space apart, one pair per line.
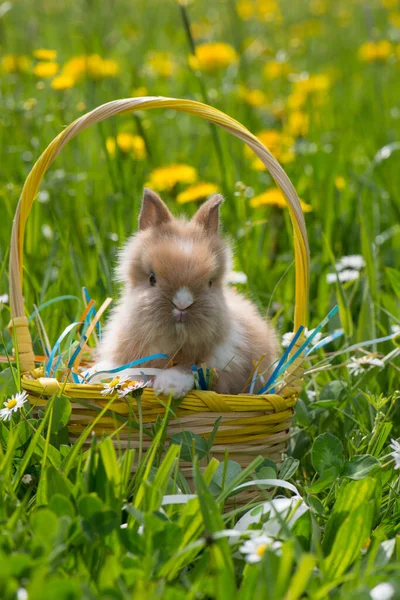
19, 323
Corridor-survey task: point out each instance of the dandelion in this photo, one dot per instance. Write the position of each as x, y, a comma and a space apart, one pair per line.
274, 197
44, 54
13, 405
395, 446
287, 337
275, 69
213, 57
195, 192
252, 97
63, 82
92, 66
166, 178
297, 124
127, 143
356, 366
340, 183
262, 10
280, 144
374, 51
139, 91
13, 63
255, 549
382, 591
161, 64
343, 276
352, 261
45, 70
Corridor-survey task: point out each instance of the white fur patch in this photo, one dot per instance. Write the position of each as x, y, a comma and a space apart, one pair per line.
183, 298
230, 352
185, 246
173, 381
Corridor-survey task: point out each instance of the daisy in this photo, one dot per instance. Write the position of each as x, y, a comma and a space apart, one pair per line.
27, 479
235, 277
395, 446
356, 366
353, 261
4, 299
132, 387
254, 549
287, 337
12, 405
343, 276
382, 591
113, 386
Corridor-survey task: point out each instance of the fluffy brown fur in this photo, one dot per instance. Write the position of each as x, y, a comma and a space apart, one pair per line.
186, 310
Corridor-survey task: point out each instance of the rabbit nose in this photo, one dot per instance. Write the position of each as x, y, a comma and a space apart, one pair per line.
182, 299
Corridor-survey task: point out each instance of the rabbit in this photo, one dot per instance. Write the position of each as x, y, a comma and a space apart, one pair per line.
176, 301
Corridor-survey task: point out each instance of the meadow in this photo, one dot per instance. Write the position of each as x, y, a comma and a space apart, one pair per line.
318, 83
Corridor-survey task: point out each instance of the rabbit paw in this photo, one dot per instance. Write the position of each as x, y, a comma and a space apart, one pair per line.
173, 381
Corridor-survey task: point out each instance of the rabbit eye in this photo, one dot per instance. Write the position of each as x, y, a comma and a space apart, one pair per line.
210, 283
152, 279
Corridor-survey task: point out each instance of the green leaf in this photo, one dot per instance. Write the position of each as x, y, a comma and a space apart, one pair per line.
44, 524
394, 278
61, 414
227, 471
61, 506
326, 480
190, 443
25, 432
360, 466
288, 468
334, 390
327, 452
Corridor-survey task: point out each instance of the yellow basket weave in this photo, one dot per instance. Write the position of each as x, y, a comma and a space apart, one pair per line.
250, 424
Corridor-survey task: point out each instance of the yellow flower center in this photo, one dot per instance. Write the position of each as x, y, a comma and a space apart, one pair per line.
114, 382
261, 549
11, 403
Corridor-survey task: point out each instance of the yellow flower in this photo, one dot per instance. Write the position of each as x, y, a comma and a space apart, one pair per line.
127, 143
166, 178
12, 63
252, 97
297, 124
44, 54
93, 66
274, 197
161, 63
340, 182
198, 191
278, 143
62, 82
394, 19
275, 69
371, 51
46, 69
213, 57
140, 91
262, 10
314, 86
390, 3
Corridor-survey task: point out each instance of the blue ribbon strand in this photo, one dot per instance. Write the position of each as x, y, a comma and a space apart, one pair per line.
56, 346
135, 363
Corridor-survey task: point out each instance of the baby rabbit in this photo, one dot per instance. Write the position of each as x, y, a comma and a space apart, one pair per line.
175, 301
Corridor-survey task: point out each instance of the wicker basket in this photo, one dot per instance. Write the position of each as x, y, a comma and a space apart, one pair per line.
250, 424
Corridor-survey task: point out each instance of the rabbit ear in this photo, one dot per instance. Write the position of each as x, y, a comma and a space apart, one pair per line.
154, 211
208, 214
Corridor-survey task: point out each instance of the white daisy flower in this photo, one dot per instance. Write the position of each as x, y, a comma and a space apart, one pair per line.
353, 261
22, 594
27, 479
356, 366
343, 276
395, 446
287, 337
135, 387
254, 549
395, 328
113, 386
235, 277
382, 591
4, 299
12, 405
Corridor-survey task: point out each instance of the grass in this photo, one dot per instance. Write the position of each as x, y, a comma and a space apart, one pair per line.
60, 534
